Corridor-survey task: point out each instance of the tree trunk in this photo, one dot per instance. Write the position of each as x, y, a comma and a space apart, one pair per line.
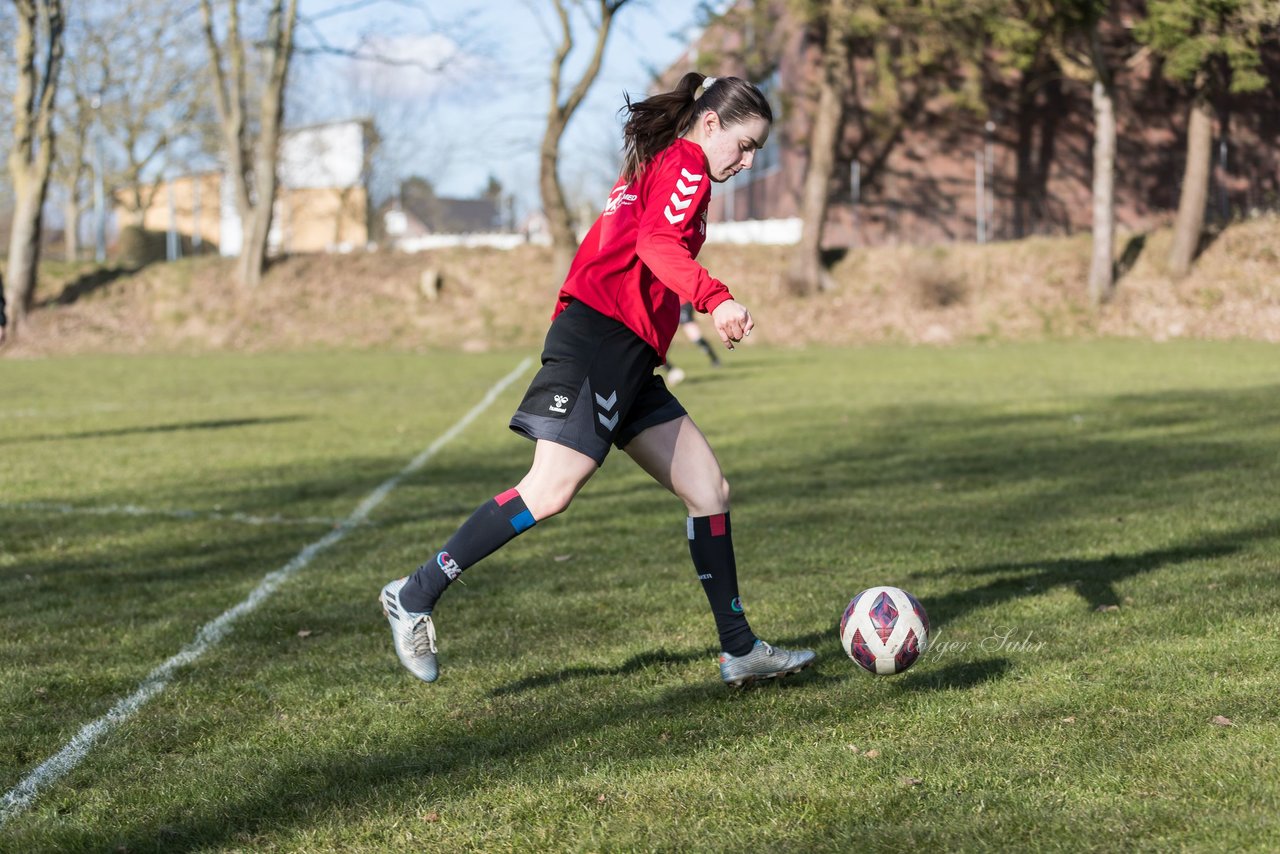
255, 208
1039, 103
257, 230
564, 241
256, 225
251, 263
1195, 186
39, 57
806, 274
1026, 136
24, 253
71, 235
253, 254
1101, 270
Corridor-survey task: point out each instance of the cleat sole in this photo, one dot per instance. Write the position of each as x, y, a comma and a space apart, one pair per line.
750, 680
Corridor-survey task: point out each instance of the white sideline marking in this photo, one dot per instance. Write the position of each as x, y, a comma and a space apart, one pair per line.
38, 413
135, 510
22, 795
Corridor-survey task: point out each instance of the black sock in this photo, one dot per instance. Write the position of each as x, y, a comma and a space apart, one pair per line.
711, 546
493, 525
706, 348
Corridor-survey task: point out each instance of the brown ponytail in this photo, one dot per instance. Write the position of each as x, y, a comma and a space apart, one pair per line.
660, 120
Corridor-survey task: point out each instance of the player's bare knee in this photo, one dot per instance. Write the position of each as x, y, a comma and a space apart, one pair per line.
708, 499
724, 494
545, 503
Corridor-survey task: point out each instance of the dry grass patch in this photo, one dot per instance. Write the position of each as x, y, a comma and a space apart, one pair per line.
1019, 290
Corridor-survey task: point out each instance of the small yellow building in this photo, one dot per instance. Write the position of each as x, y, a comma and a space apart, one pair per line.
322, 201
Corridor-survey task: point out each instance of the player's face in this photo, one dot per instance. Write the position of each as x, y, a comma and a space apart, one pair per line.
731, 148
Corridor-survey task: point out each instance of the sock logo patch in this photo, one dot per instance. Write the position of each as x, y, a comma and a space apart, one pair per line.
736, 605
448, 566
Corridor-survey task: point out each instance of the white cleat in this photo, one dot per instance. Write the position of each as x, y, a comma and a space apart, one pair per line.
762, 662
414, 634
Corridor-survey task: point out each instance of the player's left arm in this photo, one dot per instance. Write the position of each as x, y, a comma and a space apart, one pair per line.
733, 322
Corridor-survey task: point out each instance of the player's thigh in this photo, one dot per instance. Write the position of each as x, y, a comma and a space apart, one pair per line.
556, 475
677, 455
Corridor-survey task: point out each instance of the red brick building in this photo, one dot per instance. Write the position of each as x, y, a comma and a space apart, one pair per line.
940, 172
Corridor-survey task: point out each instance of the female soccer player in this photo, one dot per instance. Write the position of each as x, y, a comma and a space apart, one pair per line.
617, 312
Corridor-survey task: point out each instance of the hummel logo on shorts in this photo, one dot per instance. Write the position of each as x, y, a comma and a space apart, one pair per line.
558, 404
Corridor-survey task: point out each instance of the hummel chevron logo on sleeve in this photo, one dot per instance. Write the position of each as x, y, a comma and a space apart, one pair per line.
682, 190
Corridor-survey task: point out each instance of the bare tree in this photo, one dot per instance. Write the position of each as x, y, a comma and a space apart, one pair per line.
806, 273
39, 53
395, 82
561, 109
1189, 222
83, 73
1214, 48
1102, 89
252, 163
71, 165
152, 95
1077, 47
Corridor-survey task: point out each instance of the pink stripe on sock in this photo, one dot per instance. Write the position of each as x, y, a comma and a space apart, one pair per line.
717, 524
506, 496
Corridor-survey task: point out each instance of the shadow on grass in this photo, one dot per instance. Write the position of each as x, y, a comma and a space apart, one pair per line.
1094, 579
999, 473
481, 748
216, 424
87, 283
957, 676
419, 765
1129, 257
653, 658
151, 552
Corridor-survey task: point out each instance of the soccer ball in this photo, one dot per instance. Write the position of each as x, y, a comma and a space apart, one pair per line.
884, 630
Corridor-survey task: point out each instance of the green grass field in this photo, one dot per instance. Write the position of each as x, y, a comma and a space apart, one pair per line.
1093, 527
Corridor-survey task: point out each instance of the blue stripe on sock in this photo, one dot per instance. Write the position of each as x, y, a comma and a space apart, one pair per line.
522, 521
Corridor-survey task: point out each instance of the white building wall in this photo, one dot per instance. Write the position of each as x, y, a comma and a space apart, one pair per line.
321, 157
324, 157
232, 236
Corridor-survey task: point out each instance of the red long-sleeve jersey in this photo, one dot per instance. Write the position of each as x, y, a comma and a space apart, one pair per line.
637, 262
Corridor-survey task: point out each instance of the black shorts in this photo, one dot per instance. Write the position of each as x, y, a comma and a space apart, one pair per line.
596, 386
686, 312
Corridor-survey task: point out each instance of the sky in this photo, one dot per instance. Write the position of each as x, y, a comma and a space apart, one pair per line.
484, 113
